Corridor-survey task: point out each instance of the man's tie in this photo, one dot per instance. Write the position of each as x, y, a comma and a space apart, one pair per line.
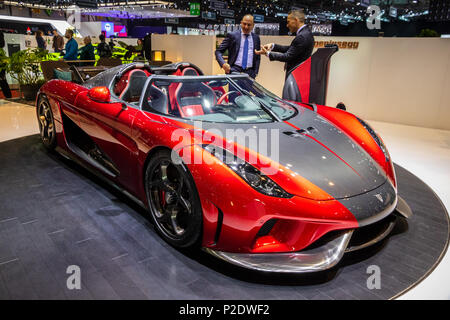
245, 53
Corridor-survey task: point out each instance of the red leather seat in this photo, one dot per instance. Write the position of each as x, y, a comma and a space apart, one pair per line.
190, 98
134, 87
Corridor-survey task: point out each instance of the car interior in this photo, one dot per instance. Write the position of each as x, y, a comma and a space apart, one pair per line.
215, 100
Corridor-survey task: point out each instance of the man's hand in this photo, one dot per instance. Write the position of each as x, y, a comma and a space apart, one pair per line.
268, 46
226, 67
262, 51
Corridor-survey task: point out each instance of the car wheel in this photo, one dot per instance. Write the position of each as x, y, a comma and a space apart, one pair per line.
46, 123
173, 201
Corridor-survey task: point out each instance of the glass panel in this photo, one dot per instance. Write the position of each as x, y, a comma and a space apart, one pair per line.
227, 99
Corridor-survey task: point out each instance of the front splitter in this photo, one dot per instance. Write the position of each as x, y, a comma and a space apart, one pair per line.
313, 260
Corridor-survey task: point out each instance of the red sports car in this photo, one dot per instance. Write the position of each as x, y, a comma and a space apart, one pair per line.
324, 184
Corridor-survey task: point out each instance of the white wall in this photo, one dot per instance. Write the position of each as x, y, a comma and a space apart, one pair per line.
397, 80
198, 50
92, 29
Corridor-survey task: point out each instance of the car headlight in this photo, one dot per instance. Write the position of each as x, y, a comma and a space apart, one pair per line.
255, 178
376, 138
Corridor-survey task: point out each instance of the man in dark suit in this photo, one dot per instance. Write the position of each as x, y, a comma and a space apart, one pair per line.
301, 47
241, 46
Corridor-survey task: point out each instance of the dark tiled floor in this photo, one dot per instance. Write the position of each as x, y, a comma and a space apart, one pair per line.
54, 214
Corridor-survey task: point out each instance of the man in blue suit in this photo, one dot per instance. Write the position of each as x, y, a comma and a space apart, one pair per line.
241, 46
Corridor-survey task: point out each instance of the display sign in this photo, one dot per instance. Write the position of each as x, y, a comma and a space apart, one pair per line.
365, 3
341, 44
217, 5
258, 18
194, 8
87, 3
322, 29
209, 15
393, 12
227, 13
108, 29
171, 20
229, 21
120, 31
321, 16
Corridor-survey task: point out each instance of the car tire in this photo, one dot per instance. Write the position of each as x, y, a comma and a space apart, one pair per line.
173, 201
46, 123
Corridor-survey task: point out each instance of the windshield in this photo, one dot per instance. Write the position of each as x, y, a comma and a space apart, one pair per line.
216, 99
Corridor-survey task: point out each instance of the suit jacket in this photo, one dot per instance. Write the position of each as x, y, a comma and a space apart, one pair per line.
300, 50
232, 42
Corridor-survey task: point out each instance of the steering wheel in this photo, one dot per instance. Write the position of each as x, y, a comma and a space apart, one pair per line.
226, 94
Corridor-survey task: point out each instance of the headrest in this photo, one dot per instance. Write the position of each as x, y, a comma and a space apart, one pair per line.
190, 72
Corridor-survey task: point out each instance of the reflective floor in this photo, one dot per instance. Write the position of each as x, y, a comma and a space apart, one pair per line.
16, 120
426, 153
423, 151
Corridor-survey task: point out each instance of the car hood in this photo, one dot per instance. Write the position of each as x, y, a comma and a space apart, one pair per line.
314, 148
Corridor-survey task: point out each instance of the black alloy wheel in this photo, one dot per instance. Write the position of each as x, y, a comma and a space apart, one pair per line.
46, 123
173, 201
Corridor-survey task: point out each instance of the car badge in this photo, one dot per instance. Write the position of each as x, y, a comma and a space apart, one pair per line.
379, 197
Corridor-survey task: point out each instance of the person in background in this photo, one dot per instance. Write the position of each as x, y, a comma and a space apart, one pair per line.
301, 47
103, 49
148, 46
241, 46
40, 40
3, 83
87, 52
58, 42
140, 49
111, 42
71, 47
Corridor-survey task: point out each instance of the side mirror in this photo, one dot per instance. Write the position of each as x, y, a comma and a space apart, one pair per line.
100, 94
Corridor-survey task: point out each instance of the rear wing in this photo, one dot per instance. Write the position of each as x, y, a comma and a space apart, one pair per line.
308, 82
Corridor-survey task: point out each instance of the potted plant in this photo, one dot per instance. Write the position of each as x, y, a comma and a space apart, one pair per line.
24, 67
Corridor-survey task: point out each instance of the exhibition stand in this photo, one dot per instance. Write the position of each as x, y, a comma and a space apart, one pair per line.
63, 215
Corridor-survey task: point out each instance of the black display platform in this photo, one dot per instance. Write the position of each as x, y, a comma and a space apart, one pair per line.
54, 214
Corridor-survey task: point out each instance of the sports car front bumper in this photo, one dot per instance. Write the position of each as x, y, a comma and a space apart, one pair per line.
316, 259
323, 256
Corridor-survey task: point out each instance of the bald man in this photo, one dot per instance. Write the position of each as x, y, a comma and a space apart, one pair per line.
241, 46
301, 47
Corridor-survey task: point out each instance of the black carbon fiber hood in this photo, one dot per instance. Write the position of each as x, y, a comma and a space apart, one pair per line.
319, 152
